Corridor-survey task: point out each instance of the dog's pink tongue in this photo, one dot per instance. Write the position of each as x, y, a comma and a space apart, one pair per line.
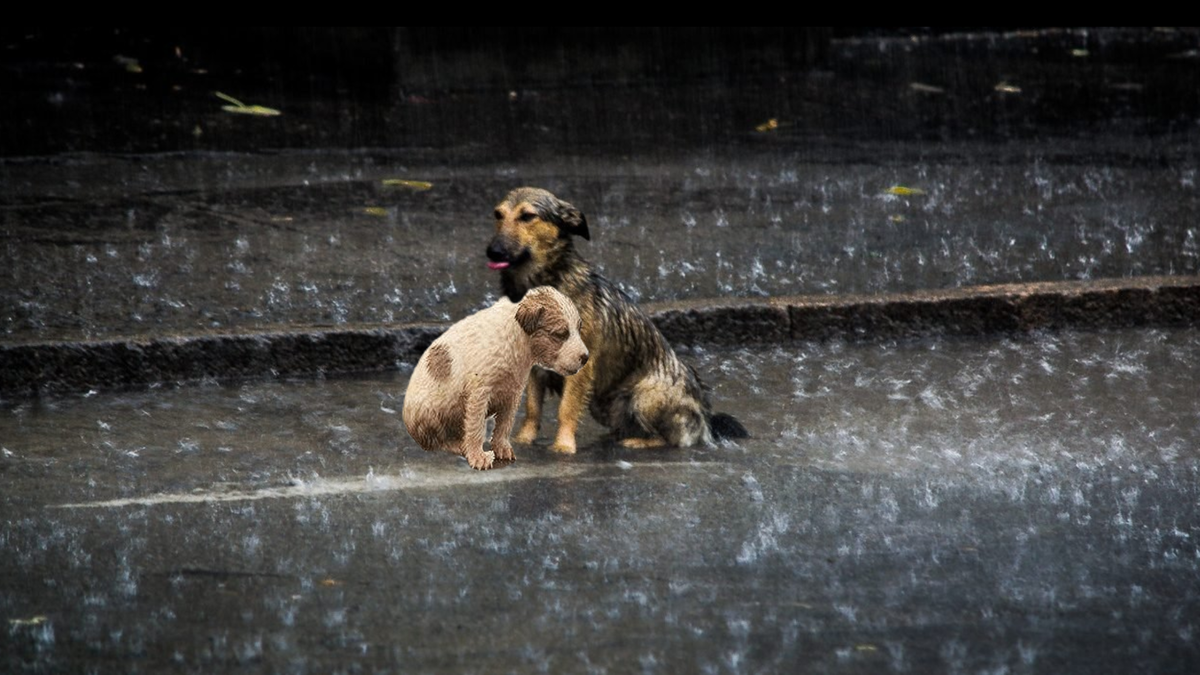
497, 265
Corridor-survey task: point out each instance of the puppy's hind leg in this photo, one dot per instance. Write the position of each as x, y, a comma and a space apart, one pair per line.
475, 426
535, 393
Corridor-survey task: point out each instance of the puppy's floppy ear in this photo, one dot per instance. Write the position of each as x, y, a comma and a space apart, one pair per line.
529, 312
569, 219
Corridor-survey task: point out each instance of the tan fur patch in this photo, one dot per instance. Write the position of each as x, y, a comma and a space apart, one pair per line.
439, 361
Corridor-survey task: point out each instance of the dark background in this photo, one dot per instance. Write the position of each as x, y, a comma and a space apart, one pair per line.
606, 90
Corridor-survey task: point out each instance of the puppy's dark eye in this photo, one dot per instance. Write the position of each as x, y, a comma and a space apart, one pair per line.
527, 217
561, 334
499, 216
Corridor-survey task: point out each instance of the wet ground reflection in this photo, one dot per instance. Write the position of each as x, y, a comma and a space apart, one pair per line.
933, 505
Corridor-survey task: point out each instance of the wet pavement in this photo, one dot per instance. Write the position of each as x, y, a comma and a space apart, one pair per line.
950, 505
1008, 504
189, 244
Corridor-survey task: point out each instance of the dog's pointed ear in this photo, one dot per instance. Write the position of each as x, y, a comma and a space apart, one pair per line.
529, 313
575, 222
571, 220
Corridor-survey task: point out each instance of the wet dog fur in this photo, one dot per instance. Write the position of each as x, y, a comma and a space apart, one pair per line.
478, 367
633, 383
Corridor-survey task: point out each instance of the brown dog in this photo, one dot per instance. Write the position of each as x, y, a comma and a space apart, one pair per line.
478, 367
633, 383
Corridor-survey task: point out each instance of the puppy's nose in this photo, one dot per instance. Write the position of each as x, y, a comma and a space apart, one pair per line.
583, 360
496, 251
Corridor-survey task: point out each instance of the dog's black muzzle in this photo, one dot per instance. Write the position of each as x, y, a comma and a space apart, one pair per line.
506, 251
499, 250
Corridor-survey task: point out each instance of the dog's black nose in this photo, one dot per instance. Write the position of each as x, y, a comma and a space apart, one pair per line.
583, 361
497, 252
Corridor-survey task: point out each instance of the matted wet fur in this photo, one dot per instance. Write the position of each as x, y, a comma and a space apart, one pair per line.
478, 367
633, 383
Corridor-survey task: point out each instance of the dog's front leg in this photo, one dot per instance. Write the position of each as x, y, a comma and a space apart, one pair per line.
577, 391
535, 393
475, 426
505, 416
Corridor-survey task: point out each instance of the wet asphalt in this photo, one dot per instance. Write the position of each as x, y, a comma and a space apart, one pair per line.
1001, 504
1013, 505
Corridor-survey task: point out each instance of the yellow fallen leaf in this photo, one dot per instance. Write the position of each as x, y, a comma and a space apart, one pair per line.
866, 648
227, 97
901, 191
925, 88
330, 582
375, 211
261, 111
31, 621
243, 109
1006, 88
770, 125
414, 184
896, 219
131, 65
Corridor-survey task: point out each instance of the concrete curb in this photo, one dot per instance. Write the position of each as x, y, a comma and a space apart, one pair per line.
976, 310
31, 369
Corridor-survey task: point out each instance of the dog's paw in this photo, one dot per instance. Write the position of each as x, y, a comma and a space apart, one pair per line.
526, 434
563, 447
480, 459
503, 452
642, 443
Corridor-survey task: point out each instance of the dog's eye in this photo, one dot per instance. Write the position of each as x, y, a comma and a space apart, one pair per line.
561, 334
527, 217
499, 216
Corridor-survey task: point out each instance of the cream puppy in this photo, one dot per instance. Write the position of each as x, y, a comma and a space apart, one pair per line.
478, 367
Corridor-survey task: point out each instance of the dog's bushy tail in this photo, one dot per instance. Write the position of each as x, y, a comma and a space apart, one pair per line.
726, 426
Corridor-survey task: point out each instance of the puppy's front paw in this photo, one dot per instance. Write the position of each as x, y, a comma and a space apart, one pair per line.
480, 459
527, 433
564, 447
503, 452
